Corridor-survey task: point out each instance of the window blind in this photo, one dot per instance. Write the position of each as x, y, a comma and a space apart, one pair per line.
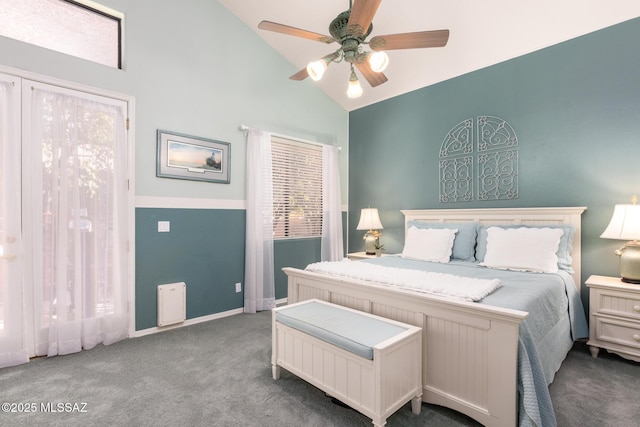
297, 189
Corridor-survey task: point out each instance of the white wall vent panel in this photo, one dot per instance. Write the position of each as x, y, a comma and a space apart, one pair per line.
172, 303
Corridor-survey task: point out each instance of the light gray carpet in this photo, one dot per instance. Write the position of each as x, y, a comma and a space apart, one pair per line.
218, 374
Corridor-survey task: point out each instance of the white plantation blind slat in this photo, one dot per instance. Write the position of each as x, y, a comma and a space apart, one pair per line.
297, 189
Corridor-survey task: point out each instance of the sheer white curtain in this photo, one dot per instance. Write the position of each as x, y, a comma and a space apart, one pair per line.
259, 284
331, 247
77, 211
13, 343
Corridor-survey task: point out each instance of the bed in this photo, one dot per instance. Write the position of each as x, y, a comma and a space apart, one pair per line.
491, 359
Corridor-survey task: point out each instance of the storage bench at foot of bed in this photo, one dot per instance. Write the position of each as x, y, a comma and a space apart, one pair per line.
370, 363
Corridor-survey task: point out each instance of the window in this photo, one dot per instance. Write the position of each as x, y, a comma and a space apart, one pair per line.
297, 189
80, 28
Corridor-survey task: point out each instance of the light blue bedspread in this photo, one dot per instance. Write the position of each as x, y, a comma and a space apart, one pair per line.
556, 319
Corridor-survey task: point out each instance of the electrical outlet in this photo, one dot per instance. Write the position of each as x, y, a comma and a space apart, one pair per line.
238, 287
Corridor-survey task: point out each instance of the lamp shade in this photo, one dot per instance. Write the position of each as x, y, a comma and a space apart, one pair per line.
624, 224
369, 220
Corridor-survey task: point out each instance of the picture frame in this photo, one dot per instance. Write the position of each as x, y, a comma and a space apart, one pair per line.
194, 158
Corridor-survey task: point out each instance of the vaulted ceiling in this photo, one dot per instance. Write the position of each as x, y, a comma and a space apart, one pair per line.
482, 33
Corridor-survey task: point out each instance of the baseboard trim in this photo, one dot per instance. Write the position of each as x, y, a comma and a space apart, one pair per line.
196, 320
187, 322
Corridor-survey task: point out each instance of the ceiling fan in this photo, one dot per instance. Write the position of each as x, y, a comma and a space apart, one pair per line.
350, 30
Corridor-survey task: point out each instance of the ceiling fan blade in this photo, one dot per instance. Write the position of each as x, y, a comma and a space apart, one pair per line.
292, 31
372, 77
300, 75
362, 13
419, 39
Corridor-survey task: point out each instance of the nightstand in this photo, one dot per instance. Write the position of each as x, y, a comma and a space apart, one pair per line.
614, 317
360, 255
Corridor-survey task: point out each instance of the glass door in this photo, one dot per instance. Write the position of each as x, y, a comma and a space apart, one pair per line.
64, 220
75, 192
13, 346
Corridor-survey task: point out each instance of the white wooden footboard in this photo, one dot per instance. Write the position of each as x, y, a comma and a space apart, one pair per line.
470, 351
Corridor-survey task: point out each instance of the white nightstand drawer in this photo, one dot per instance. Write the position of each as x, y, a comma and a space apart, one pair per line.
616, 304
616, 331
614, 317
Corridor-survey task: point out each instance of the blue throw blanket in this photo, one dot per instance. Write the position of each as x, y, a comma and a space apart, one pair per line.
556, 319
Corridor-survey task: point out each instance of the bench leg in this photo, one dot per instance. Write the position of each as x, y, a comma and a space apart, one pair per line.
275, 371
379, 422
416, 404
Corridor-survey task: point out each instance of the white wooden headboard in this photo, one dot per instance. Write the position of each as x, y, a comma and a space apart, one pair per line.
495, 216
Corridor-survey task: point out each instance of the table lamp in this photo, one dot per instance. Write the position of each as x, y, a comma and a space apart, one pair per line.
370, 220
625, 225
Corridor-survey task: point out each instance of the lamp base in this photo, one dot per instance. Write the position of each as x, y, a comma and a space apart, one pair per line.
630, 263
370, 241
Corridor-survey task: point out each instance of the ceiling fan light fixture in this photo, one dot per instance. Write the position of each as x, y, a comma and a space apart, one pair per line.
378, 61
316, 69
351, 29
354, 90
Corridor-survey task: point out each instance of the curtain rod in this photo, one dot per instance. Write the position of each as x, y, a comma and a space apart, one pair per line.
245, 128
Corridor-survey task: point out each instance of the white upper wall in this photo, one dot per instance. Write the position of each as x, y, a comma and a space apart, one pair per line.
194, 68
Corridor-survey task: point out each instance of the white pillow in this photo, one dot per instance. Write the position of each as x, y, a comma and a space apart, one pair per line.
429, 244
523, 249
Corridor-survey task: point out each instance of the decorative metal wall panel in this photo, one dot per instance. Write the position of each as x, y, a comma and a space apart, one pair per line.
495, 134
498, 175
496, 156
456, 179
459, 140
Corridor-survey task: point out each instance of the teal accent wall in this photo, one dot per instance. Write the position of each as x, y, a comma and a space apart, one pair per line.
298, 253
575, 107
204, 249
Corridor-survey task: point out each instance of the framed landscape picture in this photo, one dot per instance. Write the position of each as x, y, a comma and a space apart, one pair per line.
190, 157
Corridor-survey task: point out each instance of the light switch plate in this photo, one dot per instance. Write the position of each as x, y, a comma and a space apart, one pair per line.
164, 226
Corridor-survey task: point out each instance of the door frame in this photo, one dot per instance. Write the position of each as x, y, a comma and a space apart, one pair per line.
130, 138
